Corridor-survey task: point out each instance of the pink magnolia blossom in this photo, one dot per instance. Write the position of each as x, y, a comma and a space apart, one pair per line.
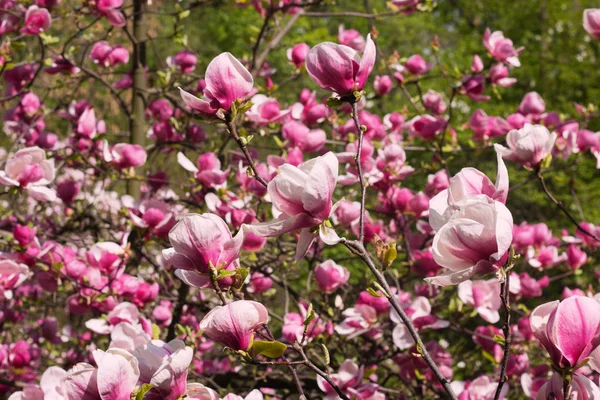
591, 22
569, 330
501, 48
51, 387
63, 66
532, 103
434, 102
338, 68
426, 127
482, 388
358, 320
581, 389
165, 366
486, 127
227, 80
208, 170
154, 215
12, 274
200, 241
259, 283
351, 38
106, 55
330, 276
472, 238
37, 20
484, 296
234, 324
499, 76
306, 139
468, 183
128, 336
123, 312
419, 312
474, 87
110, 9
114, 378
29, 169
125, 155
477, 64
265, 110
417, 65
297, 54
383, 84
529, 145
303, 196
575, 256
253, 395
185, 61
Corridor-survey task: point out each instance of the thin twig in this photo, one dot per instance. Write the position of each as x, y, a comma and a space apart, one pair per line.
242, 145
505, 297
361, 178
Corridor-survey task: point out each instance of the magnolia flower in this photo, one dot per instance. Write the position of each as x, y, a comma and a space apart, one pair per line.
125, 155
569, 330
226, 81
299, 135
234, 324
528, 145
581, 389
473, 236
114, 378
419, 312
29, 169
482, 388
330, 276
265, 110
303, 195
111, 10
501, 48
185, 60
201, 242
484, 296
253, 395
469, 182
351, 38
51, 387
124, 312
297, 54
37, 20
532, 103
591, 22
106, 55
338, 68
208, 168
165, 366
12, 274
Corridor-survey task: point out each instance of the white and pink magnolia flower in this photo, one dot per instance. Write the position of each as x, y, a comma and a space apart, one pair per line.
330, 276
165, 366
114, 378
591, 22
484, 296
125, 155
303, 196
358, 320
482, 388
501, 48
582, 388
227, 80
29, 169
154, 215
528, 145
52, 387
235, 323
124, 312
297, 54
265, 110
208, 169
201, 242
197, 391
338, 68
12, 274
569, 330
37, 20
351, 38
419, 312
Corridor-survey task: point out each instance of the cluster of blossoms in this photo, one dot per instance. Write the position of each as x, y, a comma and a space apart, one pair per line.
229, 267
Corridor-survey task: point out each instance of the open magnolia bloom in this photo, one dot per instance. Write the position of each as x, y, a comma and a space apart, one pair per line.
227, 80
581, 389
303, 195
29, 169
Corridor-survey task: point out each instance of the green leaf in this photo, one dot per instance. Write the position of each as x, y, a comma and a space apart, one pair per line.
310, 315
499, 339
145, 388
155, 332
268, 349
334, 102
184, 14
373, 293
